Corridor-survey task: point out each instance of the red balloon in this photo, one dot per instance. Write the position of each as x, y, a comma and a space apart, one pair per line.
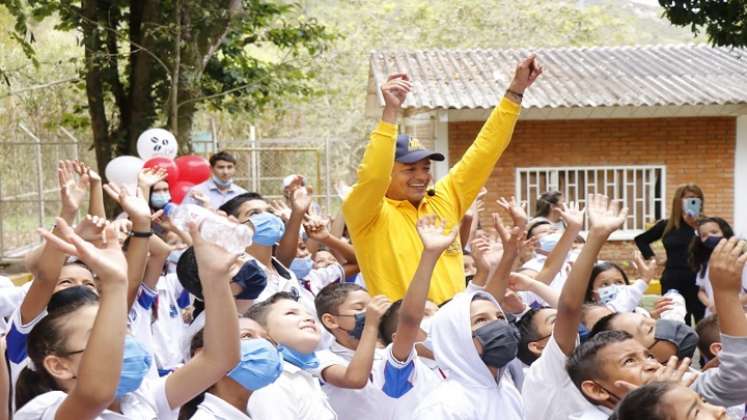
165, 163
179, 190
192, 168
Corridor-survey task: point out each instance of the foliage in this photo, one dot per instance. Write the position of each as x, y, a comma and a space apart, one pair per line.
725, 22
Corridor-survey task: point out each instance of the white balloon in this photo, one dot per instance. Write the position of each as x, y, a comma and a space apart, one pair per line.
156, 142
123, 170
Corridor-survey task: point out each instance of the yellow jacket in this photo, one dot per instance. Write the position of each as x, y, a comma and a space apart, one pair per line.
383, 231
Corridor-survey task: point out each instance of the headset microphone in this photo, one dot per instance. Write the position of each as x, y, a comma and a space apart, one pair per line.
431, 192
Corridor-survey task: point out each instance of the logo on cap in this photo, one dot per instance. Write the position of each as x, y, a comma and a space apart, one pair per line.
415, 144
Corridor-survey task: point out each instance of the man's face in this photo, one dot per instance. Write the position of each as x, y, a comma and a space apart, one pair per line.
223, 170
410, 181
625, 361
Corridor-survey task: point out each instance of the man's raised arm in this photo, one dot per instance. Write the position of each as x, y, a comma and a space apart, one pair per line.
364, 202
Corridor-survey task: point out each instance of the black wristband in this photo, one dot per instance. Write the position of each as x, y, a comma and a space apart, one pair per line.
141, 234
520, 95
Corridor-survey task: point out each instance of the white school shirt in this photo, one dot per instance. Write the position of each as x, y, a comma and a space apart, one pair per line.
393, 391
168, 329
704, 282
285, 281
537, 264
295, 395
628, 297
548, 391
318, 278
147, 403
592, 412
214, 408
11, 297
139, 321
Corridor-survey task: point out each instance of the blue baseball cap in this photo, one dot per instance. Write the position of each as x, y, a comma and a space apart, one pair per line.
410, 150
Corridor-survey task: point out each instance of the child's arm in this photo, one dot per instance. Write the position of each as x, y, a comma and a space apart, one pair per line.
520, 282
137, 251
316, 227
96, 193
97, 377
221, 351
604, 218
287, 248
436, 238
703, 297
574, 220
159, 252
355, 374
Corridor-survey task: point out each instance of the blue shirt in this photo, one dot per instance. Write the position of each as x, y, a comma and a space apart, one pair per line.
214, 195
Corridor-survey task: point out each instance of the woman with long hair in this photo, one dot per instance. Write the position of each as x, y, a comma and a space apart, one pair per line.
676, 233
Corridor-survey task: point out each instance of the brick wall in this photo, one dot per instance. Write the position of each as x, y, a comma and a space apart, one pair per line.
699, 150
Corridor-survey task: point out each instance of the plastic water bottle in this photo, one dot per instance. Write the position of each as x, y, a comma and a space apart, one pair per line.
679, 310
234, 237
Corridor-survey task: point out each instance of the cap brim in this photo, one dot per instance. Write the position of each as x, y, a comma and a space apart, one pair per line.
419, 155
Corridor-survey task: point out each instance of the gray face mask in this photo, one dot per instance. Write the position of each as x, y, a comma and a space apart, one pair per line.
679, 334
500, 343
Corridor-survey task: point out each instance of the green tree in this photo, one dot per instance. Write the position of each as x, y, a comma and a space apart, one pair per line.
725, 22
150, 61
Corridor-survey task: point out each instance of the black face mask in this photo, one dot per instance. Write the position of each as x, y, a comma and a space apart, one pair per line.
468, 278
500, 343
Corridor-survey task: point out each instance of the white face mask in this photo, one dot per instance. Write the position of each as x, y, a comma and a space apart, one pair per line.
608, 294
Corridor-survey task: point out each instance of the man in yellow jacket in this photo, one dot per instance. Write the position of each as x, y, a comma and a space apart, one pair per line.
391, 193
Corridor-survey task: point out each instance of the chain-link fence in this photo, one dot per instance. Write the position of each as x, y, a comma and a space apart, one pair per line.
29, 194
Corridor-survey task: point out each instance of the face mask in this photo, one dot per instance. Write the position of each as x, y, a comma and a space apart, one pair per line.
711, 241
260, 364
135, 365
468, 278
360, 322
608, 294
500, 343
679, 334
304, 361
425, 325
159, 200
692, 206
548, 242
174, 256
268, 228
583, 333
301, 267
252, 280
221, 183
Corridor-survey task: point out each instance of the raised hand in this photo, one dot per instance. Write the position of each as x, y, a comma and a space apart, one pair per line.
91, 228
517, 211
281, 210
200, 198
72, 191
661, 305
434, 233
85, 171
487, 253
646, 269
134, 205
301, 199
727, 264
149, 177
376, 308
106, 260
605, 215
213, 261
395, 90
526, 73
572, 216
316, 226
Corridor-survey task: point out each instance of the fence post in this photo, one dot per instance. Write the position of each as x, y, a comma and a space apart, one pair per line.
254, 158
328, 186
39, 173
2, 219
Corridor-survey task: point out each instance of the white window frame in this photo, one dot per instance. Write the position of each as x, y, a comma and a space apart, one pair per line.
611, 187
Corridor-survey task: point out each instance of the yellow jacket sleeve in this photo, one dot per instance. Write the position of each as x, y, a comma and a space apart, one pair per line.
465, 179
363, 205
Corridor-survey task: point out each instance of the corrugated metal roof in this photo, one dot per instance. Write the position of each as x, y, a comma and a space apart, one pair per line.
661, 75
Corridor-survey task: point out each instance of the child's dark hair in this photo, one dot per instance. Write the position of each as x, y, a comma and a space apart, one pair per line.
583, 363
48, 337
598, 269
604, 324
528, 333
530, 231
259, 311
390, 322
708, 333
644, 403
231, 207
329, 299
699, 254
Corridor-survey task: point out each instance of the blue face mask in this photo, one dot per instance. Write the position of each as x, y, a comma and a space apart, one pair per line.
608, 294
221, 183
360, 322
260, 364
174, 256
301, 267
711, 241
548, 242
304, 361
268, 228
159, 200
135, 365
583, 333
252, 279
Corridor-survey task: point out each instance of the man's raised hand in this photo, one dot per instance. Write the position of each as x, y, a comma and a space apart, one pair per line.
526, 73
395, 90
